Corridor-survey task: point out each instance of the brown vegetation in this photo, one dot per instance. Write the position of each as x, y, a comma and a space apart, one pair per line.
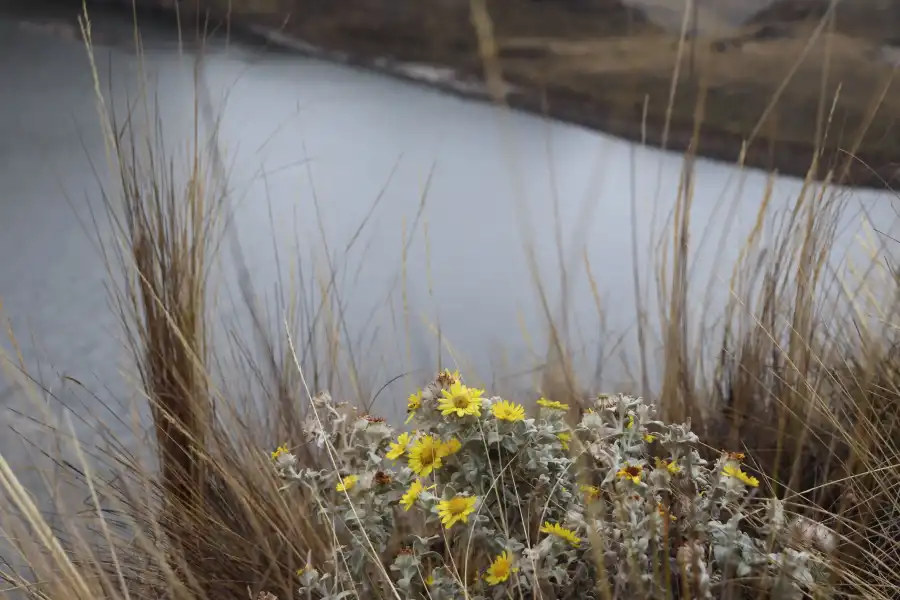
876, 20
802, 381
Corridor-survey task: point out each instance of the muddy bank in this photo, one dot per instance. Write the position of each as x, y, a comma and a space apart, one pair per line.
604, 65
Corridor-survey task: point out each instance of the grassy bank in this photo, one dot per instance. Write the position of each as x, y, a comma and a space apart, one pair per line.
803, 384
766, 88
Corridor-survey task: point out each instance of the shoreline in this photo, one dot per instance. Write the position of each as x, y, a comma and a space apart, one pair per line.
794, 161
579, 108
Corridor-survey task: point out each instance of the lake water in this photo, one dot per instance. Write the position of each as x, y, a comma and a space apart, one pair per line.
299, 133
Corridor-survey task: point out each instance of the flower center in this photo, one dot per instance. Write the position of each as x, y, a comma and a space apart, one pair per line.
457, 505
461, 401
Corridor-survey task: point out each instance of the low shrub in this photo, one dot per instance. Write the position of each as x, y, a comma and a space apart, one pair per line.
479, 500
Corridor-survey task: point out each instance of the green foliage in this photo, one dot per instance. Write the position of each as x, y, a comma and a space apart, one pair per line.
479, 501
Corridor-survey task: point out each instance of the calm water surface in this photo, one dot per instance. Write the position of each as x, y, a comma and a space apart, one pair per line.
310, 146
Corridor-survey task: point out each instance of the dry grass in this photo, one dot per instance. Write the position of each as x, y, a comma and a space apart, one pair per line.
804, 378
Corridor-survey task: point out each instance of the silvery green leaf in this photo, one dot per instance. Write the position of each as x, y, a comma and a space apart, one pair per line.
592, 420
635, 448
423, 543
575, 517
721, 554
405, 562
378, 432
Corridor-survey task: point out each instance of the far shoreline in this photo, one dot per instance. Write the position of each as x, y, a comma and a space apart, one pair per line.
787, 158
793, 160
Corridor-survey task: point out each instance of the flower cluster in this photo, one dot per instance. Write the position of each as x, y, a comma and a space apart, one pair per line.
480, 500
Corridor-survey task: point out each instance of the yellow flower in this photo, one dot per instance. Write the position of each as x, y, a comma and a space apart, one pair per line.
508, 411
457, 509
552, 404
283, 449
564, 439
300, 571
429, 581
649, 438
670, 465
347, 483
591, 492
461, 401
737, 473
632, 472
629, 422
664, 512
500, 569
413, 403
399, 447
451, 446
412, 494
445, 378
425, 455
561, 532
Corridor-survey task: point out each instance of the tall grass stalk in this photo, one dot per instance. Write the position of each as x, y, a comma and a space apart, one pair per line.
802, 377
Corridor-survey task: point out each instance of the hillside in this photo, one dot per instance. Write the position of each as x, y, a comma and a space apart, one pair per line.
602, 64
874, 20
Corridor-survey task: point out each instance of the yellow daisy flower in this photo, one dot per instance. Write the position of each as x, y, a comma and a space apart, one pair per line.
670, 465
737, 473
629, 422
508, 411
632, 472
347, 483
649, 438
412, 494
591, 492
451, 446
560, 532
283, 449
429, 581
564, 439
461, 401
445, 378
413, 403
399, 447
455, 510
426, 454
500, 569
552, 404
